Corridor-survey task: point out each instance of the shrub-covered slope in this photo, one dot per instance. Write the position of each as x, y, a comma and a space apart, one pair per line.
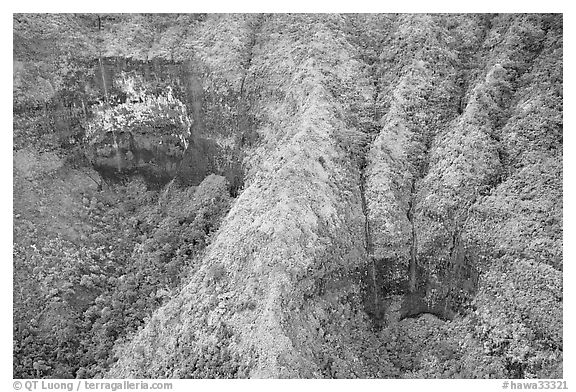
288, 195
279, 290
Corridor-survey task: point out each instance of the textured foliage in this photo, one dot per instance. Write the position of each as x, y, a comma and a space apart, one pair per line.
397, 183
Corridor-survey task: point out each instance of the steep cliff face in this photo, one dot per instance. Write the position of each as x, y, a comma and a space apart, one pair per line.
385, 197
140, 110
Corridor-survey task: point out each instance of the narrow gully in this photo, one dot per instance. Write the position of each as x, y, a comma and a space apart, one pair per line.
367, 231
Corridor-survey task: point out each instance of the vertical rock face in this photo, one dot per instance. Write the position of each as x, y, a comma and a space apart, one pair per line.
147, 131
143, 112
157, 122
391, 207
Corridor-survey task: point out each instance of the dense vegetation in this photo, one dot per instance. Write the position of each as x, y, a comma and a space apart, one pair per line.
76, 297
288, 196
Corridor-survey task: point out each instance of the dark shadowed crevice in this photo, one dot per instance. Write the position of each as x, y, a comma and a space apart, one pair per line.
372, 286
243, 122
414, 243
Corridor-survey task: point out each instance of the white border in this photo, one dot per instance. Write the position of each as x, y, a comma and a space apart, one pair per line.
295, 6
